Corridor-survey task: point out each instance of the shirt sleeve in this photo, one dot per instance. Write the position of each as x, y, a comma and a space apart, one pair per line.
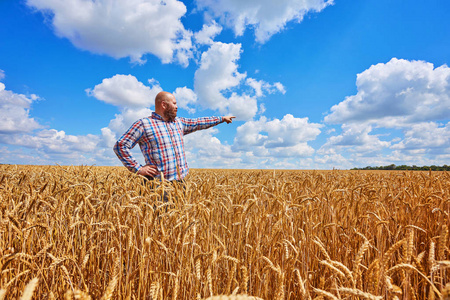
191, 125
127, 142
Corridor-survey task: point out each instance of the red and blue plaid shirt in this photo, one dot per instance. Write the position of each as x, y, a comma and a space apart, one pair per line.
161, 143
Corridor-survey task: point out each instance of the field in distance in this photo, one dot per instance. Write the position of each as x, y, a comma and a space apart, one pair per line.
102, 233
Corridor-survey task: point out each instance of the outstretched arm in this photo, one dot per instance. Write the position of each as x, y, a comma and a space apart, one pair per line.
191, 125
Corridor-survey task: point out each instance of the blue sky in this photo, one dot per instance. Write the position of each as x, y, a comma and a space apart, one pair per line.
314, 84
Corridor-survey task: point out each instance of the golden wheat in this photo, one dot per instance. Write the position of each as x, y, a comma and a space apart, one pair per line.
100, 232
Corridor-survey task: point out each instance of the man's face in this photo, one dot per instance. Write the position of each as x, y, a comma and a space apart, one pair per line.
170, 112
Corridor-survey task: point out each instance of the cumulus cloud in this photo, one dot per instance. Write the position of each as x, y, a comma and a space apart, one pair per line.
287, 137
207, 34
397, 94
122, 28
426, 138
280, 87
125, 91
185, 98
57, 141
265, 16
38, 145
243, 107
204, 149
126, 118
108, 138
15, 111
50, 146
52, 141
217, 80
398, 158
133, 99
261, 87
412, 96
355, 138
335, 160
218, 72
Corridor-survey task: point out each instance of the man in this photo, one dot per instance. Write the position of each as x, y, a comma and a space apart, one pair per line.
160, 138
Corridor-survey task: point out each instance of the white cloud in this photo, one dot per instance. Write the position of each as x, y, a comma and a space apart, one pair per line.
122, 28
355, 138
290, 130
333, 160
287, 137
56, 141
262, 108
422, 144
251, 134
397, 94
217, 81
398, 158
217, 72
298, 150
426, 137
60, 142
280, 87
331, 130
31, 143
50, 146
2, 74
15, 110
185, 98
205, 150
261, 87
126, 118
108, 138
408, 95
256, 85
207, 34
125, 91
242, 107
267, 17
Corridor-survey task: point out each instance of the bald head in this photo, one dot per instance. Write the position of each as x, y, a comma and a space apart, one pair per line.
166, 105
163, 97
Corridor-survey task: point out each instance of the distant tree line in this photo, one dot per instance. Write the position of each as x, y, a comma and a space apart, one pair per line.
405, 167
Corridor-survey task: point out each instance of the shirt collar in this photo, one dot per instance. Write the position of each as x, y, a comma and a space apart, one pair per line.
158, 117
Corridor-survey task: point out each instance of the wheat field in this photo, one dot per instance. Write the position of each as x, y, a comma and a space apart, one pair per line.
100, 233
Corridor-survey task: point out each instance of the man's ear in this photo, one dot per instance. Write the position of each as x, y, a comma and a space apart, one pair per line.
163, 104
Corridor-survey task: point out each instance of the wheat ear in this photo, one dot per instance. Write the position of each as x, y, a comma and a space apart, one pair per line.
29, 289
113, 283
325, 294
360, 294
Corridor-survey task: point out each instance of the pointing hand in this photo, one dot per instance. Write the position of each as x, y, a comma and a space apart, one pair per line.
228, 119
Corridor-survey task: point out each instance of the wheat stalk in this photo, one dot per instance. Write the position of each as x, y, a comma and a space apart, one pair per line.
359, 293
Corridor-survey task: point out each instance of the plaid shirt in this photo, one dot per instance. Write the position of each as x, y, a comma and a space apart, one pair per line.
161, 143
